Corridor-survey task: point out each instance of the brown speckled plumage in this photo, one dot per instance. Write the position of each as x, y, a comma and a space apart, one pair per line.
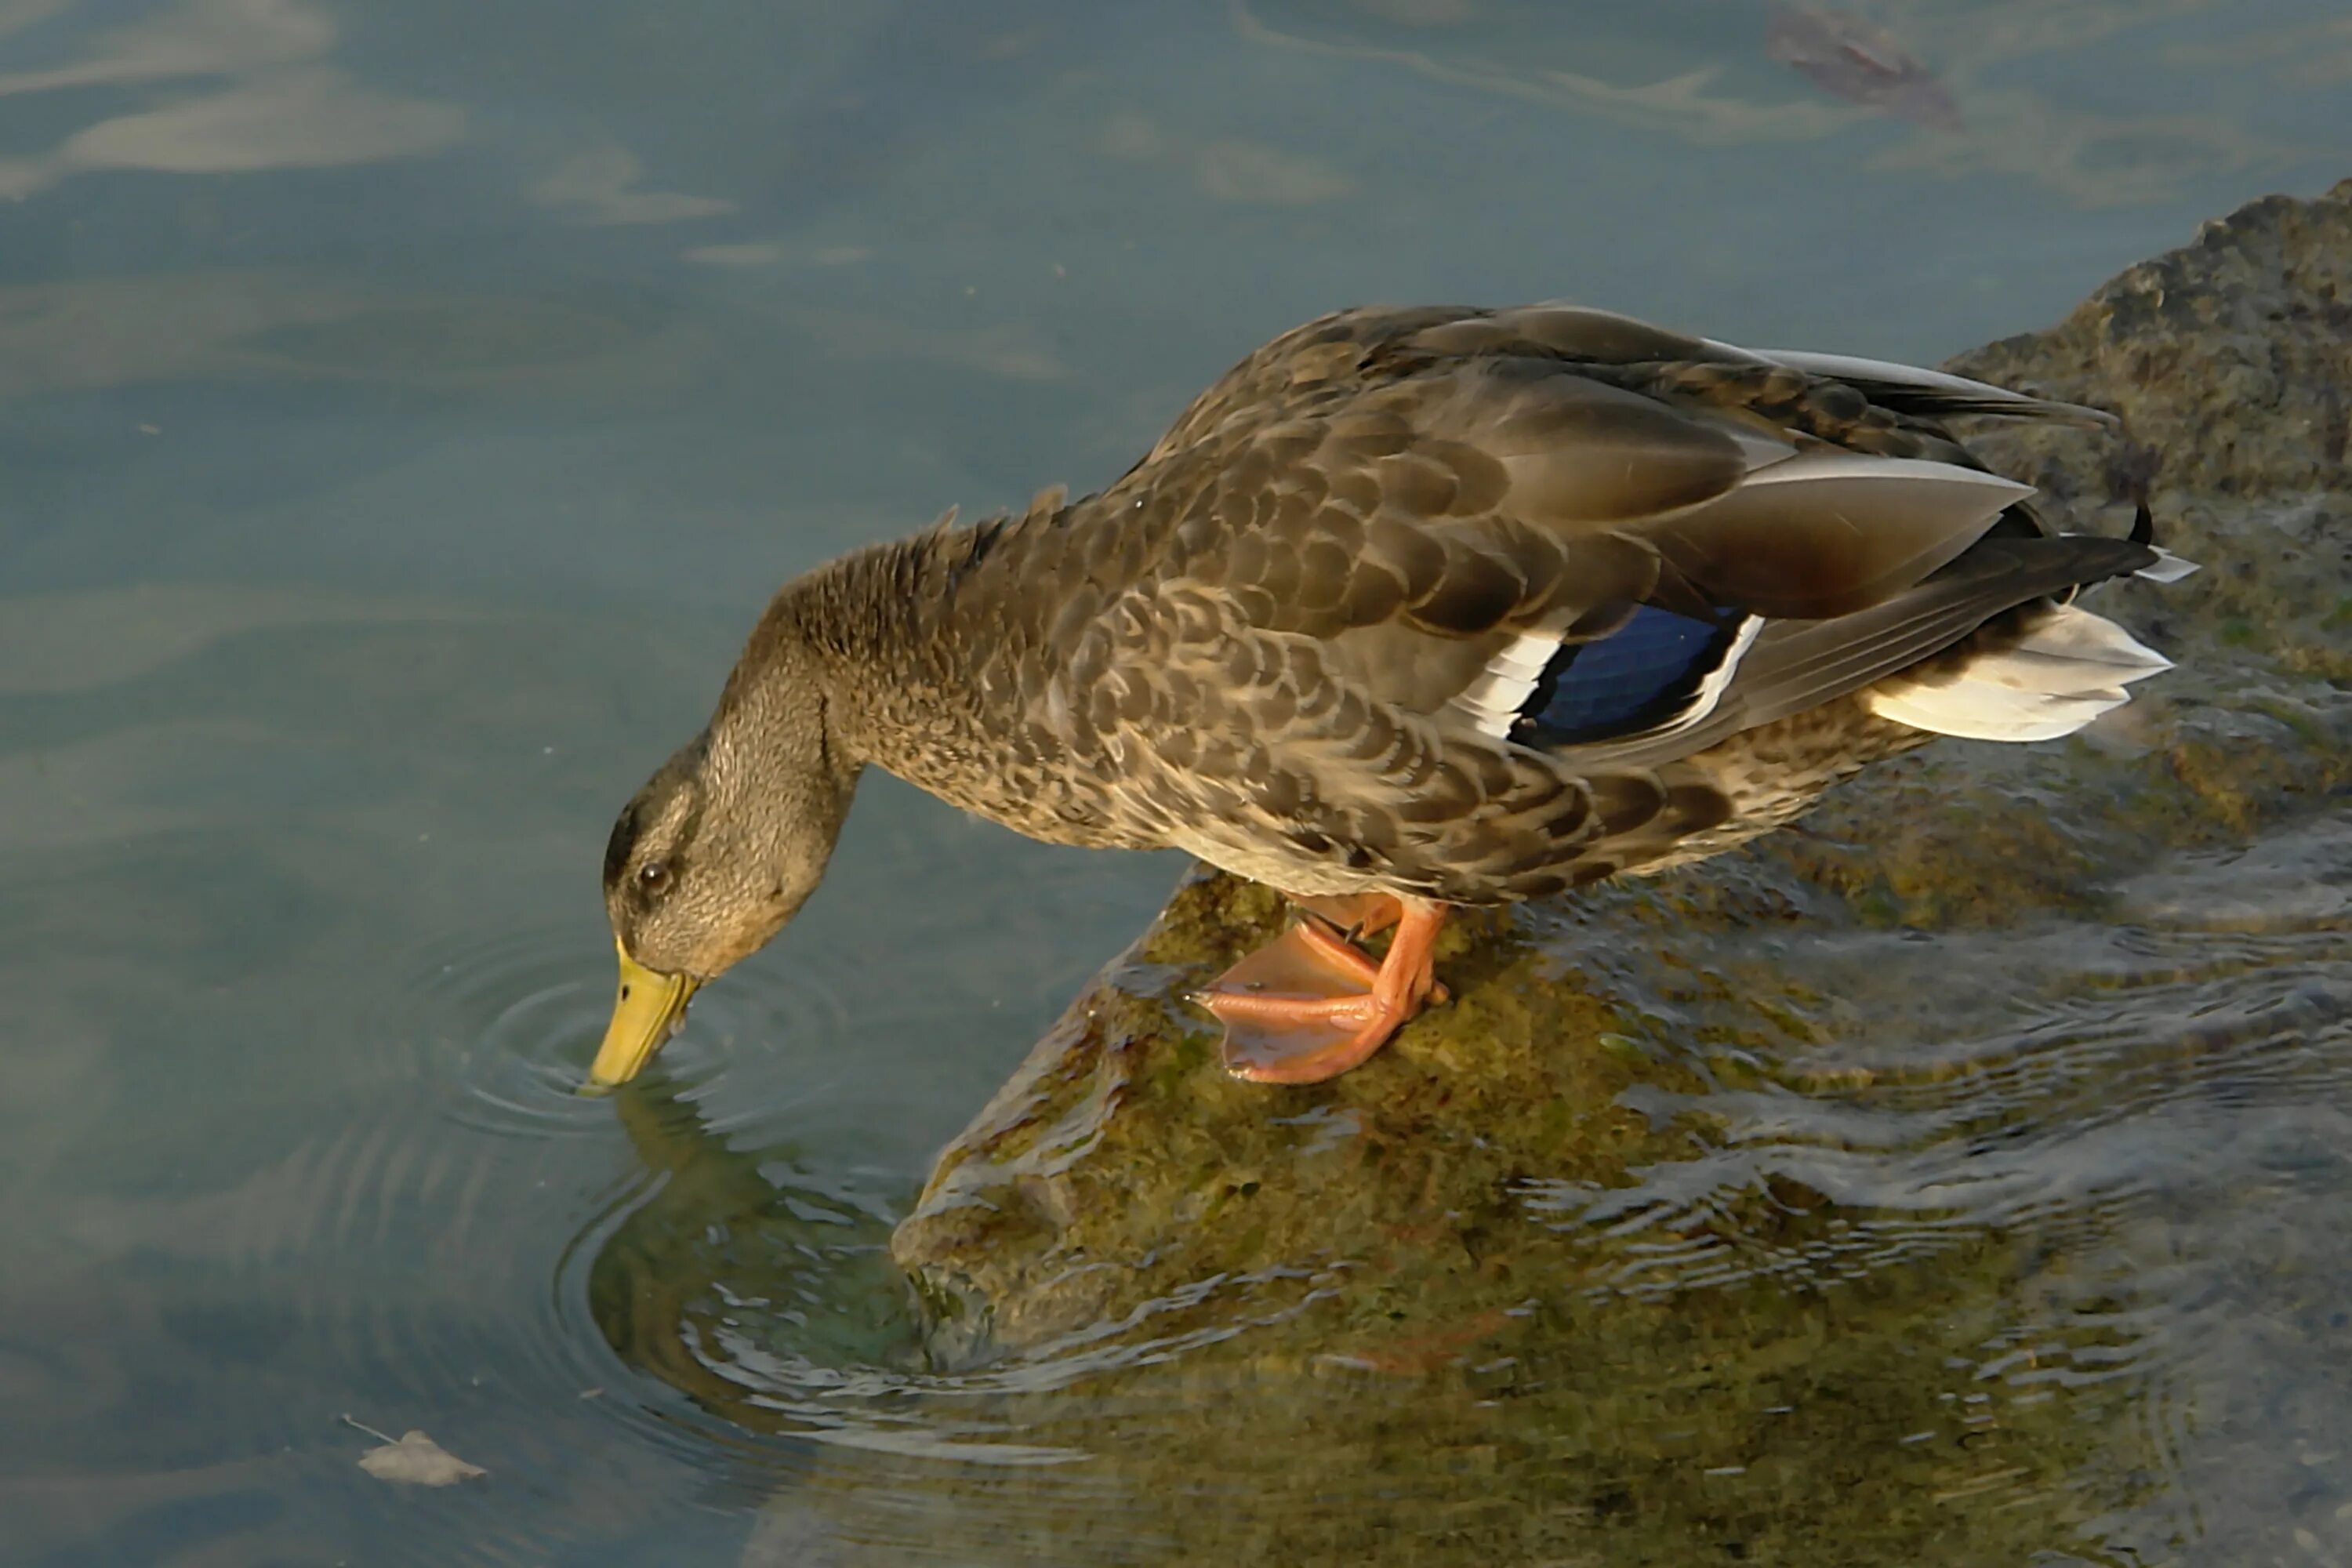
1310, 635
1245, 646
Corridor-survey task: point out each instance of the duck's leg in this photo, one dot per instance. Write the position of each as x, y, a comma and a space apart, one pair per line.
1309, 1005
1348, 919
1354, 915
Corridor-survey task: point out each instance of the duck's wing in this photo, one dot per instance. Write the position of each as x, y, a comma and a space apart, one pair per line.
1792, 666
1869, 404
1439, 501
1928, 394
1425, 567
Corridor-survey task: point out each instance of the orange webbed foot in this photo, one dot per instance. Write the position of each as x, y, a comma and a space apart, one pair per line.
1310, 1004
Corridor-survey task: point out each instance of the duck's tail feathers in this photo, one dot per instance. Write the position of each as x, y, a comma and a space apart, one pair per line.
2167, 567
2064, 668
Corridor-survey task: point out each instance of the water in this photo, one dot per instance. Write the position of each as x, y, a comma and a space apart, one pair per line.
405, 408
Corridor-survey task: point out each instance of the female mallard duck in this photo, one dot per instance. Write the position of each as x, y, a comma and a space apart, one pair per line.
1413, 608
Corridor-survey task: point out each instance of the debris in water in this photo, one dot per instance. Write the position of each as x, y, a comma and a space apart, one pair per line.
1860, 61
413, 1459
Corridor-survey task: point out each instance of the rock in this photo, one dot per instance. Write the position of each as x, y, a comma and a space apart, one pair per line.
1722, 1216
1442, 1220
1121, 1168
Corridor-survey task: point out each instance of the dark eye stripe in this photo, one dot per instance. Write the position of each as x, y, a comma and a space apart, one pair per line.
624, 839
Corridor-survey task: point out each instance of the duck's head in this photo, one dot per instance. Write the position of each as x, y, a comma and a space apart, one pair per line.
714, 855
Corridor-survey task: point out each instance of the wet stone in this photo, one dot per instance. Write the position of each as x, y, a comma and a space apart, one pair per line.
1459, 1220
1121, 1166
1815, 1203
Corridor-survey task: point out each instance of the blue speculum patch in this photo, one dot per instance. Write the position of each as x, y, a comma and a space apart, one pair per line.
1642, 675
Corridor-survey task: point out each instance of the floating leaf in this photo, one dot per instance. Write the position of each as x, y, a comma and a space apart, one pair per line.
413, 1459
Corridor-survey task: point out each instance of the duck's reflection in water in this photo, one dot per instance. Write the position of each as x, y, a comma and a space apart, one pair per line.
1752, 1373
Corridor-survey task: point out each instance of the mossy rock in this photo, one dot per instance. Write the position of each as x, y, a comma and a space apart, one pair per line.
1493, 1298
1120, 1163
1120, 1184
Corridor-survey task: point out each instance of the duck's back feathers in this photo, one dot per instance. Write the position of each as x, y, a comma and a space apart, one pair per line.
1489, 513
1931, 393
1456, 602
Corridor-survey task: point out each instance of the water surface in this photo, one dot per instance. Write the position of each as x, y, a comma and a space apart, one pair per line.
406, 409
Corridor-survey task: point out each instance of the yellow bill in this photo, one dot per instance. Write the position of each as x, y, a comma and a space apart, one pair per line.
648, 1011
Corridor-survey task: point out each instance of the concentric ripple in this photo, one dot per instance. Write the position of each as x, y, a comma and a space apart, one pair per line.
513, 1022
2034, 1218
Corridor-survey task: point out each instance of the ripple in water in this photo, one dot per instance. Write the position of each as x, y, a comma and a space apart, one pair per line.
2048, 1218
421, 1249
415, 1247
398, 1267
513, 1022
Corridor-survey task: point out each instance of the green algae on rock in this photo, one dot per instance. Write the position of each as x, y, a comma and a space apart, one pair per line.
1444, 1387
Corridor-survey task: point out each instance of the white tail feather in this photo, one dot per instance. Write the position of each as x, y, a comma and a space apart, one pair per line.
2067, 671
1992, 712
2169, 567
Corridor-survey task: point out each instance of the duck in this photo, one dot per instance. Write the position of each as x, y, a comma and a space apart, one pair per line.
1413, 609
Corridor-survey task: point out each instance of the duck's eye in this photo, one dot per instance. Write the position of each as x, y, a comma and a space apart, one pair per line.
653, 876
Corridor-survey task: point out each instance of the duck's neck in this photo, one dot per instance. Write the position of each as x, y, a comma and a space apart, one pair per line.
893, 638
